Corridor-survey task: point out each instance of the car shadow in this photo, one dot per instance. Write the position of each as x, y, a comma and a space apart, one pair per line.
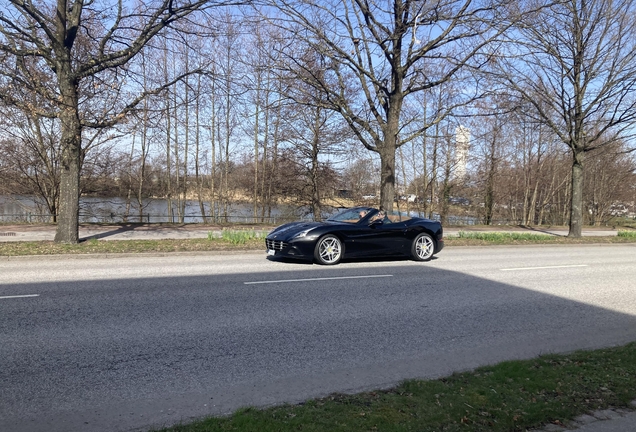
288, 260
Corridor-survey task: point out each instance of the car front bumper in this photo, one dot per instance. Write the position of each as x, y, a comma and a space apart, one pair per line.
296, 248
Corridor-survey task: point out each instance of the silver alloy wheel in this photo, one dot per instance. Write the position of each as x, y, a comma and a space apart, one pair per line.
329, 250
424, 247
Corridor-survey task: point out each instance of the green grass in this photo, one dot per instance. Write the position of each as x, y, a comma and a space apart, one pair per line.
627, 234
510, 396
240, 237
502, 237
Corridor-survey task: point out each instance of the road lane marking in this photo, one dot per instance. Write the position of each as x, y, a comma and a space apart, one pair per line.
543, 268
317, 279
19, 296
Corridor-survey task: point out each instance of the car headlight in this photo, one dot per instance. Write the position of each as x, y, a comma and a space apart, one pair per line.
301, 234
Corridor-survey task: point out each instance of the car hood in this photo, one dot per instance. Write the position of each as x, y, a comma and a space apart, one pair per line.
286, 231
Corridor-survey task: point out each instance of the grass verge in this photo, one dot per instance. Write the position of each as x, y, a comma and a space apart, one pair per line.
503, 237
510, 396
516, 238
249, 239
94, 246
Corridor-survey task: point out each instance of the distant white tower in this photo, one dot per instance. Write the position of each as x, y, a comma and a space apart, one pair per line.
462, 143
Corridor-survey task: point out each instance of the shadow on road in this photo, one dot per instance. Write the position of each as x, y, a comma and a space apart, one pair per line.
107, 355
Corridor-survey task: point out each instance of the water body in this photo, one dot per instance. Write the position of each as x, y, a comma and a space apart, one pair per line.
113, 210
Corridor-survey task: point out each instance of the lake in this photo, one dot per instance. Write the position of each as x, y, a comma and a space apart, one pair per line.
113, 210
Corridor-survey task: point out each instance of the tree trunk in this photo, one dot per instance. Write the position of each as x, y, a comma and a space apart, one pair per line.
422, 207
256, 156
273, 171
388, 147
531, 218
257, 116
433, 177
315, 188
186, 145
404, 182
197, 142
130, 178
67, 230
213, 206
266, 171
387, 168
489, 198
168, 141
144, 154
387, 177
169, 162
177, 159
576, 210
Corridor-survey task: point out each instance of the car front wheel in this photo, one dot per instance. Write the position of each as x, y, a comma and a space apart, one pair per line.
423, 247
328, 250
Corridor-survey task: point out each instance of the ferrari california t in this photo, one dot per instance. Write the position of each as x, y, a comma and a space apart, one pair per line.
355, 233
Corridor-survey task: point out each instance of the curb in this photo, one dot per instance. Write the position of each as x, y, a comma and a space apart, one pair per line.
589, 418
125, 255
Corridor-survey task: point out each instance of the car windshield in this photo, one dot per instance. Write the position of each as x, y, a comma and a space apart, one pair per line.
354, 215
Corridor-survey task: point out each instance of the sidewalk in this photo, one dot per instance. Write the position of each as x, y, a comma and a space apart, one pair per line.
9, 233
610, 420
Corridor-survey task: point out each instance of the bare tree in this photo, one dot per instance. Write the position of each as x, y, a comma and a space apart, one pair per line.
86, 45
228, 72
377, 55
259, 90
575, 62
30, 151
314, 133
607, 180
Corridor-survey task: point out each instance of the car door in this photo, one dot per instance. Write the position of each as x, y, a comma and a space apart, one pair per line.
376, 239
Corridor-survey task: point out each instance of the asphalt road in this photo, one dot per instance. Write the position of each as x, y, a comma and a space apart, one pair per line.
114, 344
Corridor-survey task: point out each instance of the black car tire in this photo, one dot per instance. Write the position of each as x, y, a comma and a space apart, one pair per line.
328, 250
423, 247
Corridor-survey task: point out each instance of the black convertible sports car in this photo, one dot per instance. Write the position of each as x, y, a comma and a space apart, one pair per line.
357, 232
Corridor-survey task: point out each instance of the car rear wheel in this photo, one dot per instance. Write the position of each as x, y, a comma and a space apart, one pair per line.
328, 250
423, 247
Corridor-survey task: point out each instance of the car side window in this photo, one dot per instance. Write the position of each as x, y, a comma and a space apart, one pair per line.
378, 217
350, 216
393, 217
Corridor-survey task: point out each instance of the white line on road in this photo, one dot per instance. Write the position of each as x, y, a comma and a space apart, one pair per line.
19, 296
317, 279
542, 268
